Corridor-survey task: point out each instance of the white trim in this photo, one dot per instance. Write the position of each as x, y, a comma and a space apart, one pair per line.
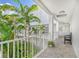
43, 6
75, 51
39, 53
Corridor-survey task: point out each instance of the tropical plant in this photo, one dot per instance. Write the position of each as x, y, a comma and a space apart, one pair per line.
38, 29
27, 16
6, 30
7, 27
5, 7
51, 44
10, 23
41, 28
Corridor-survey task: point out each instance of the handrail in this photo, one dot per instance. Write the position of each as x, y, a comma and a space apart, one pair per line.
38, 41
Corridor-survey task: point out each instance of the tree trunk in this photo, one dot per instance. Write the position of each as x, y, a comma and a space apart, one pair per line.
27, 31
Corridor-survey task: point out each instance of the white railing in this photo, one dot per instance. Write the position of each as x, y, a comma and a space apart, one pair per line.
20, 48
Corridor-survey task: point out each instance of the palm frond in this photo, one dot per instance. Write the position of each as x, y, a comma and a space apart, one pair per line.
34, 18
7, 7
32, 8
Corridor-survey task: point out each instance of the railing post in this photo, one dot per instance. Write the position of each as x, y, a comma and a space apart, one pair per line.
13, 49
51, 27
1, 51
25, 48
8, 50
43, 42
32, 47
18, 48
21, 48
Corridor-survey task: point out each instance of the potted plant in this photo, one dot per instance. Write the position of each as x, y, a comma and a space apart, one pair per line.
51, 44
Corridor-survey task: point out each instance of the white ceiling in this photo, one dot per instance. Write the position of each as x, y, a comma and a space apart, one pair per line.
55, 6
58, 5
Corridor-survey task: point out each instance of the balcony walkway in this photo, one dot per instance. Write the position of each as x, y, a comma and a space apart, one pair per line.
60, 51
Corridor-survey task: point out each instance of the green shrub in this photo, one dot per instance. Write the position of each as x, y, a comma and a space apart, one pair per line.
51, 43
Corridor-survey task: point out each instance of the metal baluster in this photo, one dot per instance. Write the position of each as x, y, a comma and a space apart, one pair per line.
32, 47
8, 50
43, 41
13, 49
18, 48
21, 49
14, 23
36, 36
1, 50
25, 47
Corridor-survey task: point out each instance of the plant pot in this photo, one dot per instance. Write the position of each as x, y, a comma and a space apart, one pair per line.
50, 46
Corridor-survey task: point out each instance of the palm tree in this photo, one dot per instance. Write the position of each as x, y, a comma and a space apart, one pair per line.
27, 15
8, 25
38, 29
41, 28
6, 22
5, 7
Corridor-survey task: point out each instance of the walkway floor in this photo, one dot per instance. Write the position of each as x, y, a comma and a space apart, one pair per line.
60, 51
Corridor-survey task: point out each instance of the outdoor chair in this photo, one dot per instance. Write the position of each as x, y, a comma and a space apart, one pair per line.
68, 38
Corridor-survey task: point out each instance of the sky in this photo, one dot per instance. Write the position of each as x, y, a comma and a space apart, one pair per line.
41, 14
24, 2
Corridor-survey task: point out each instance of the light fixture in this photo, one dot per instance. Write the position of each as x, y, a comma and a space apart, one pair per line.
61, 14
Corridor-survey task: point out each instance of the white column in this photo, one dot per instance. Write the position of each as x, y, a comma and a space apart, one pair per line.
51, 27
